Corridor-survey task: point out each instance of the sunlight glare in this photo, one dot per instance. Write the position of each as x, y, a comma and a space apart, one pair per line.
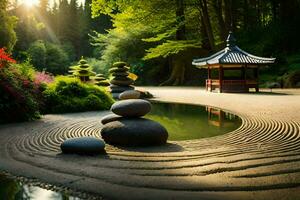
31, 3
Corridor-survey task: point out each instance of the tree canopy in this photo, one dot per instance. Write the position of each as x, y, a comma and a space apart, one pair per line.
171, 29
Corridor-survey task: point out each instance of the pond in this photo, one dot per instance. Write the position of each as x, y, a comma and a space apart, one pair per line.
183, 122
12, 189
187, 122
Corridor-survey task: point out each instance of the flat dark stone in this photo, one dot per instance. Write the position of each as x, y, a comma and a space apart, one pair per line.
83, 145
121, 82
123, 74
134, 132
110, 118
131, 107
116, 69
119, 89
120, 64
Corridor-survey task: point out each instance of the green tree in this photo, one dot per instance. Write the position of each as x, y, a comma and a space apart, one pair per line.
38, 54
7, 23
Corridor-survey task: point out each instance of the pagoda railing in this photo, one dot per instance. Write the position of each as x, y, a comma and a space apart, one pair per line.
231, 85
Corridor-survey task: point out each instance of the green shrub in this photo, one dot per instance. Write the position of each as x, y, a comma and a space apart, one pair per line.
68, 94
291, 79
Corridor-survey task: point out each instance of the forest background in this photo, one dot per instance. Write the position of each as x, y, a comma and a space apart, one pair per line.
158, 38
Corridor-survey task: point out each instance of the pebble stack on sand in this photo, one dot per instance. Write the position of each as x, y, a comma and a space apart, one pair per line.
120, 81
126, 127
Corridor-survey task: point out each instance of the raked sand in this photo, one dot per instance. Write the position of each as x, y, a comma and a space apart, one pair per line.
259, 160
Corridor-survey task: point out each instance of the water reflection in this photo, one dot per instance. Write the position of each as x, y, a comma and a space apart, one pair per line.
11, 189
186, 122
219, 118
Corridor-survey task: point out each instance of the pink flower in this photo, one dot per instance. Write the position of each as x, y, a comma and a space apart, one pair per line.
43, 77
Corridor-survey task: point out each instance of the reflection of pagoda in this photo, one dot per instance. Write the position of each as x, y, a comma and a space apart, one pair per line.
219, 118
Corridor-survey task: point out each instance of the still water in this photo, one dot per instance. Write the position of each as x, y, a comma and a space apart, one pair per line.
183, 122
12, 189
187, 122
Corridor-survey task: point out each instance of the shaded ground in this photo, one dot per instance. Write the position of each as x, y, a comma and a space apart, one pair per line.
260, 160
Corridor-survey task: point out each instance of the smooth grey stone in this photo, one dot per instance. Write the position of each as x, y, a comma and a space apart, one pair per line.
110, 118
83, 145
134, 132
130, 94
131, 108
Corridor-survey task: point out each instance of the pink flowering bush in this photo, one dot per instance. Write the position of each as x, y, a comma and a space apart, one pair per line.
43, 77
20, 96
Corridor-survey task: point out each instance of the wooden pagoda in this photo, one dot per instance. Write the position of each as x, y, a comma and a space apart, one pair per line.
232, 69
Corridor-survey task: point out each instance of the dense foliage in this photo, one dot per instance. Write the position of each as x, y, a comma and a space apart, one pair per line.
7, 24
168, 34
68, 94
49, 57
60, 31
20, 95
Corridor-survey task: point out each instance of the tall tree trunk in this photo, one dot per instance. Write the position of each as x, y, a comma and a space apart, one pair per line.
246, 15
180, 33
178, 71
206, 21
177, 63
228, 14
217, 5
274, 4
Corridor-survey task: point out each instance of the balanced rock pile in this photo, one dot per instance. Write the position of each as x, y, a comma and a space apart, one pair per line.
100, 80
126, 127
120, 81
83, 70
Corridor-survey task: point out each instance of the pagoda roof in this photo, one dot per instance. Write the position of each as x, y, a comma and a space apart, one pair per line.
232, 54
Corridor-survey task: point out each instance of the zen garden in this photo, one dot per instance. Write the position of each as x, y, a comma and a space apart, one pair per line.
160, 99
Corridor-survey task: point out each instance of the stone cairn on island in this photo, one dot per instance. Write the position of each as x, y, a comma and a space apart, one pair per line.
100, 80
120, 81
126, 127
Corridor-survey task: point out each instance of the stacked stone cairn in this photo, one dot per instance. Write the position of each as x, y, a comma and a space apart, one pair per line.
100, 80
126, 127
83, 70
120, 81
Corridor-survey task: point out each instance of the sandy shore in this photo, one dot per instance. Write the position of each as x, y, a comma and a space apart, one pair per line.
260, 160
